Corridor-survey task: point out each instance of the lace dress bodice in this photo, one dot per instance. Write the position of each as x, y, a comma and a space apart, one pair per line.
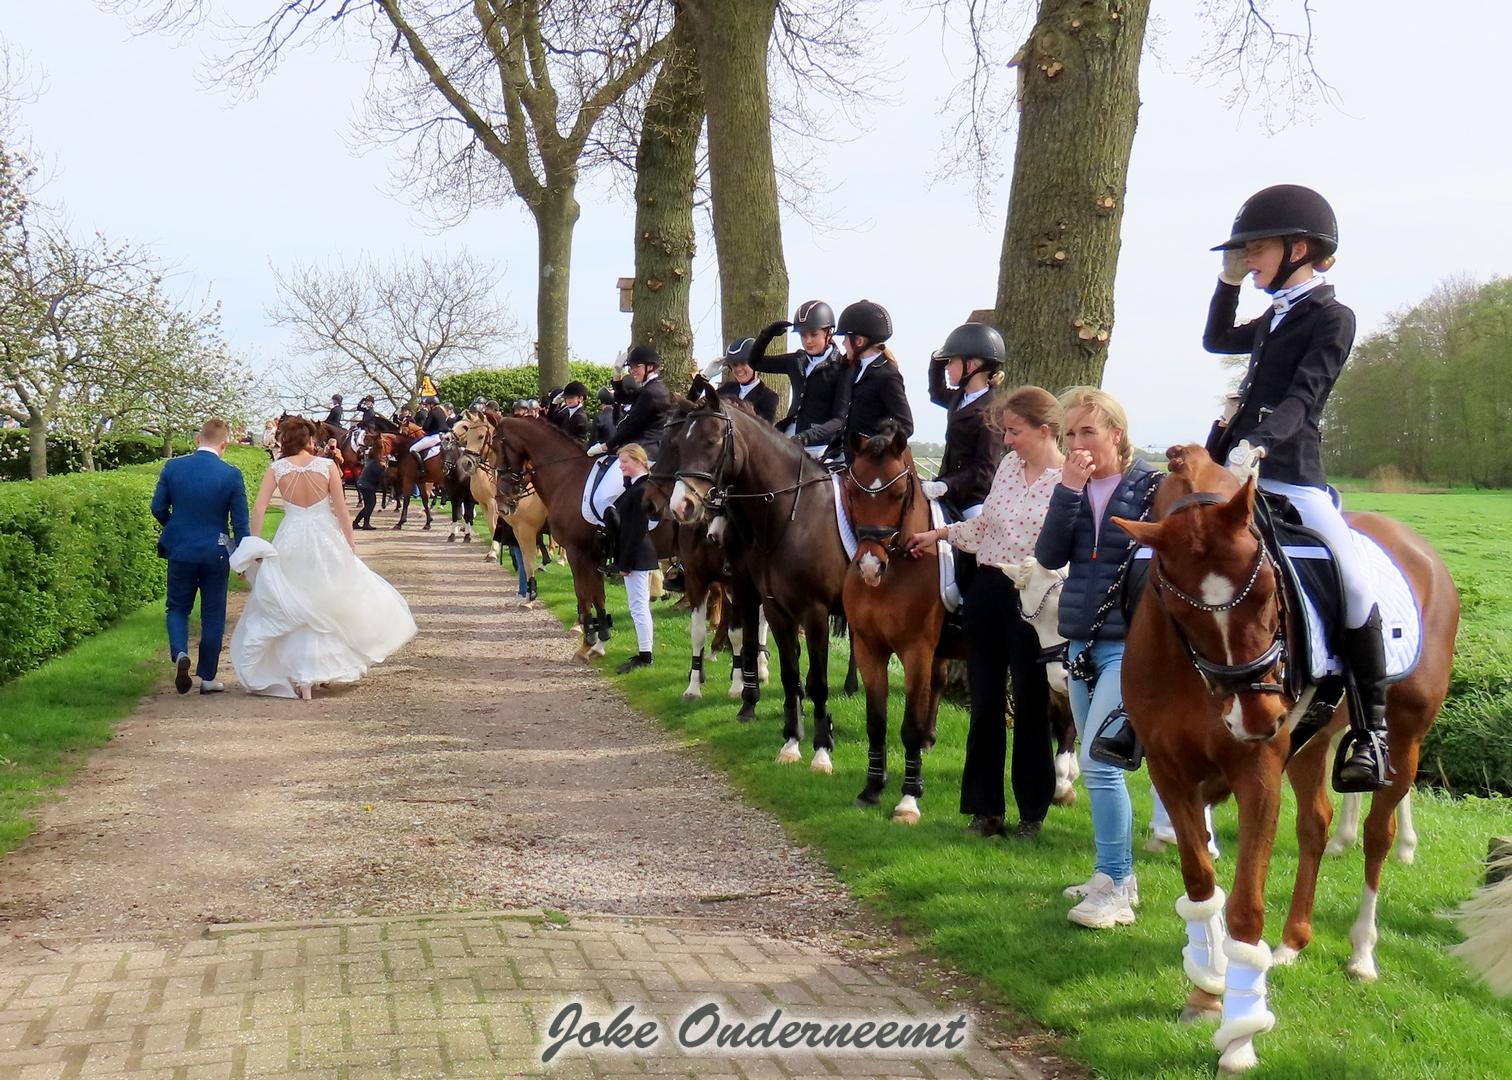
302, 486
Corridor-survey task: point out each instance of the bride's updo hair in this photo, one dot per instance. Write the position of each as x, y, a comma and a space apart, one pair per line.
295, 435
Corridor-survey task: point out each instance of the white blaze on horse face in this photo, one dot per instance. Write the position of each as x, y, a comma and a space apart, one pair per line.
679, 503
1217, 590
871, 568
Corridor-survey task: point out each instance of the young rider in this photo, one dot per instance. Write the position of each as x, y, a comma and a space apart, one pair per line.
877, 391
817, 372
744, 384
961, 376
1282, 237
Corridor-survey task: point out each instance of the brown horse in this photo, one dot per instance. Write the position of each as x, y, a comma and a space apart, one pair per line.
534, 454
780, 511
893, 605
1212, 726
412, 473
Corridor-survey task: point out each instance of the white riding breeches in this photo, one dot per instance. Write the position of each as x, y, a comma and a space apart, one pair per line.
423, 448
1319, 514
638, 593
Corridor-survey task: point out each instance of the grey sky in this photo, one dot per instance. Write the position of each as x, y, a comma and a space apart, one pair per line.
1416, 162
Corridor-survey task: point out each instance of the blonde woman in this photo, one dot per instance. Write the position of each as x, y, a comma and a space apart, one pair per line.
636, 555
1100, 479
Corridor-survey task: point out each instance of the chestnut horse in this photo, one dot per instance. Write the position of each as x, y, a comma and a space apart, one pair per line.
780, 511
411, 473
531, 453
893, 605
1227, 727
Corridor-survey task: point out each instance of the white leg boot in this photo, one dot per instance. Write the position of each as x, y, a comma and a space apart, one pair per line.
1203, 958
1245, 1013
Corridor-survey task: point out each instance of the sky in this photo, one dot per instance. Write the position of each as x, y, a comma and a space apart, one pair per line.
138, 146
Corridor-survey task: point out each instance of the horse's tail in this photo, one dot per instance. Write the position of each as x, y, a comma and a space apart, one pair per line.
839, 625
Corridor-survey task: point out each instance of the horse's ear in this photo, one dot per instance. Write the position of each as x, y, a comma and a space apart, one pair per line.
1147, 533
899, 442
1238, 511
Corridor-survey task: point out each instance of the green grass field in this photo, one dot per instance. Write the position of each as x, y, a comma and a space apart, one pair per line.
994, 909
55, 715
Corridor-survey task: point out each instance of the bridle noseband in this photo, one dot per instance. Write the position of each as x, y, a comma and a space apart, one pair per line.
1227, 680
884, 536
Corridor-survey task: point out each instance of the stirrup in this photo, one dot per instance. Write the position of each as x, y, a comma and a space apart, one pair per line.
1362, 763
1122, 748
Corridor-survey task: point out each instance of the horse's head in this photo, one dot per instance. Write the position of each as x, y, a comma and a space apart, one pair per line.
474, 434
512, 465
698, 452
1215, 582
411, 430
880, 489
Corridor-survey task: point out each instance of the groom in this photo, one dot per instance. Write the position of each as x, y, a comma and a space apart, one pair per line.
197, 496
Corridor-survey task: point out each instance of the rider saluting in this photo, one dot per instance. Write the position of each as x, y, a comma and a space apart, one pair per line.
877, 392
649, 401
961, 377
817, 374
1283, 236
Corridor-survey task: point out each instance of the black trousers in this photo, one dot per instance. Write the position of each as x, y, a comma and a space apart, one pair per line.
364, 516
1001, 644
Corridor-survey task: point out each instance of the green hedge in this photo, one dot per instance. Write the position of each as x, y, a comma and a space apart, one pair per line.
506, 385
78, 552
64, 456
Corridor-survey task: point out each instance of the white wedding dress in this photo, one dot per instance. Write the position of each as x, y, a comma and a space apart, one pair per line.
317, 614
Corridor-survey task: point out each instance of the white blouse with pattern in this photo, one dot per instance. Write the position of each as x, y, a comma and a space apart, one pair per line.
1011, 517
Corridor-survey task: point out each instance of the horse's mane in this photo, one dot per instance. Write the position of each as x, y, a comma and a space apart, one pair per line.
560, 439
1190, 469
882, 443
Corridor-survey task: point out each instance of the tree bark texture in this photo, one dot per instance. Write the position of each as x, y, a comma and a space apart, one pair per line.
732, 38
665, 176
556, 216
1079, 102
36, 431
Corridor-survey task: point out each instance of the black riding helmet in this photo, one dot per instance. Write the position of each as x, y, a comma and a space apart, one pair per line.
1288, 212
574, 389
739, 352
976, 341
643, 354
606, 395
867, 318
814, 315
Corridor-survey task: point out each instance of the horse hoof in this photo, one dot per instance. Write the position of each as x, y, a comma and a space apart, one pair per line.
747, 714
790, 753
1337, 847
1405, 855
1193, 1015
1364, 971
1284, 956
1238, 1058
822, 763
598, 649
1065, 793
425, 528
736, 689
467, 539
906, 812
868, 799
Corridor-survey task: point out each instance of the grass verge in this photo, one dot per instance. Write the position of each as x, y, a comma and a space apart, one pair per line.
994, 908
53, 716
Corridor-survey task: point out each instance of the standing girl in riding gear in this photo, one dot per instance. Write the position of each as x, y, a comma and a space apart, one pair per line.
1282, 237
635, 556
877, 391
1100, 479
999, 642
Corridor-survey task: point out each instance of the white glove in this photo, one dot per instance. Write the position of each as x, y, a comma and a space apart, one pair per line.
619, 362
596, 449
1244, 460
1234, 271
713, 368
934, 489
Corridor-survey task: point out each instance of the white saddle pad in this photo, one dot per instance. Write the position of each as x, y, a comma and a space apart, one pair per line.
1401, 622
604, 484
950, 592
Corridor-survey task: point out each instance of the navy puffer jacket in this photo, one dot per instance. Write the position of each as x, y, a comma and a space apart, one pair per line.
1067, 538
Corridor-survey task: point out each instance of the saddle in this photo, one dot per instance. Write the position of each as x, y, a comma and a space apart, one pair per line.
602, 486
1313, 599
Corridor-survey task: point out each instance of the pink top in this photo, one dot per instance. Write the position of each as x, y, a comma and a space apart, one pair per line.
1011, 518
1099, 490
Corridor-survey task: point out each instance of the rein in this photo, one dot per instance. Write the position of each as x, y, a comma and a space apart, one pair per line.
719, 492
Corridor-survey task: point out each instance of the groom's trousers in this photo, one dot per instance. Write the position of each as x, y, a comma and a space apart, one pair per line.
185, 579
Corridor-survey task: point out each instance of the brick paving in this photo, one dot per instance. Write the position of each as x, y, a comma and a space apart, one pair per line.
444, 995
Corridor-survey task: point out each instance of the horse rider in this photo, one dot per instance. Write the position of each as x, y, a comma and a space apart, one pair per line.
877, 391
743, 383
817, 373
434, 426
569, 414
643, 388
607, 418
334, 416
1284, 237
962, 374
363, 425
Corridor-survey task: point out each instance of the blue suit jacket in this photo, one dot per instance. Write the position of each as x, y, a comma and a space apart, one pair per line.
201, 502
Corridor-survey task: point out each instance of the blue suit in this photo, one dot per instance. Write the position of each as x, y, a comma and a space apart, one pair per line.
201, 503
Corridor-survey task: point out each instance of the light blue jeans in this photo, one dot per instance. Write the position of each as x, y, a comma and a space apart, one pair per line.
1112, 814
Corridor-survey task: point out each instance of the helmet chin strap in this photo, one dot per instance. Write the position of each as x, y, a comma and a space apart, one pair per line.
1289, 265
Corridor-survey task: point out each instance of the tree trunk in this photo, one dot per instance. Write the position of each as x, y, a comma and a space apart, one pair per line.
36, 431
1079, 75
168, 443
556, 216
86, 458
732, 37
665, 176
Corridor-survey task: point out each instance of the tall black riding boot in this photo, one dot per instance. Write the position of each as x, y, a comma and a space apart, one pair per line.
1363, 763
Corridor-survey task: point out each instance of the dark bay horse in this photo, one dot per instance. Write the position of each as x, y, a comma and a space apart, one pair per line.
410, 473
1214, 601
893, 605
780, 511
531, 453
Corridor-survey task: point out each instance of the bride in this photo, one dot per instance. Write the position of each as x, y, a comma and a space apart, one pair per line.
317, 614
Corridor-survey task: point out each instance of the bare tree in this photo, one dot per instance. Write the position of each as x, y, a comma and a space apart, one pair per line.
385, 328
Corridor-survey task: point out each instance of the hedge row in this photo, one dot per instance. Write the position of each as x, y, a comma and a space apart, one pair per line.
506, 385
64, 455
78, 552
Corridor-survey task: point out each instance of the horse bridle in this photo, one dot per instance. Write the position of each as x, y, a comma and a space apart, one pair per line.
1226, 680
719, 493
883, 536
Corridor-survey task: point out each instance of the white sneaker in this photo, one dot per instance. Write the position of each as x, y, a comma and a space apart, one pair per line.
1106, 905
1079, 892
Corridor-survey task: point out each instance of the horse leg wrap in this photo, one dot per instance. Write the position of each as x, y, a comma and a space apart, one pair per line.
876, 768
1245, 1014
698, 664
590, 631
1203, 958
913, 775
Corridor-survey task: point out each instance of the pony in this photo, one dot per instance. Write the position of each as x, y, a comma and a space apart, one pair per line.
1039, 597
1206, 689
